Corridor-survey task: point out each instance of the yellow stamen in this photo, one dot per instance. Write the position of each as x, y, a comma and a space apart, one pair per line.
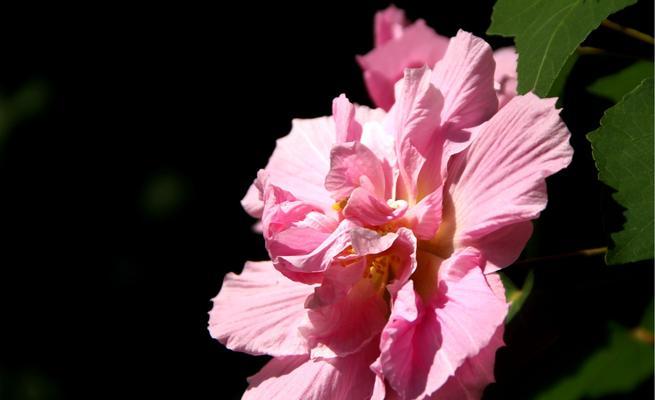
339, 205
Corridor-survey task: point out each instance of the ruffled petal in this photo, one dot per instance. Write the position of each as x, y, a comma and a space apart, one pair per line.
383, 66
429, 337
389, 25
425, 217
354, 165
347, 128
369, 210
474, 375
414, 119
301, 160
260, 311
465, 78
299, 378
409, 343
500, 179
469, 313
305, 267
347, 325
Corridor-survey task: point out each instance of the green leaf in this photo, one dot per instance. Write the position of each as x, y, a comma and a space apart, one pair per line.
618, 367
557, 89
615, 86
516, 297
547, 33
623, 150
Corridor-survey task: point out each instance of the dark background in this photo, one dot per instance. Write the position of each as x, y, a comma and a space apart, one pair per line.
144, 125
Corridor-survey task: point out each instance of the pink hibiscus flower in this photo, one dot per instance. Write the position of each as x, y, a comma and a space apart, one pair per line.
400, 45
384, 230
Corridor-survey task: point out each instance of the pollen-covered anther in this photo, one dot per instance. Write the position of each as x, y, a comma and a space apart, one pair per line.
396, 204
340, 205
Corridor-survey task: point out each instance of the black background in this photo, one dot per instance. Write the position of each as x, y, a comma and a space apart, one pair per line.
104, 295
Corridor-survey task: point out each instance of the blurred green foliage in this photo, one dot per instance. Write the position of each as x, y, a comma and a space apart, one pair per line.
615, 86
21, 105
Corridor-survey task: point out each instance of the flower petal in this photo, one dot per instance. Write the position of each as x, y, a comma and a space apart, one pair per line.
465, 78
301, 160
409, 343
414, 119
354, 165
383, 66
505, 75
304, 267
347, 128
298, 377
426, 215
369, 210
500, 179
389, 25
474, 375
504, 246
347, 325
469, 312
260, 311
425, 342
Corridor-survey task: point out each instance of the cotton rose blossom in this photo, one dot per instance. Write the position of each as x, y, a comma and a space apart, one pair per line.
400, 44
384, 231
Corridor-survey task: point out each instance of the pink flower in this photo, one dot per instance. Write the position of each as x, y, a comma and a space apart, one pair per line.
384, 230
400, 44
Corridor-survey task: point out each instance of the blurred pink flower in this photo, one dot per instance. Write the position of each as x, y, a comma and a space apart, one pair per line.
400, 44
384, 230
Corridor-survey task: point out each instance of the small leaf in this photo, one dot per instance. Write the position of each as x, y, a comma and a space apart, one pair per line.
618, 367
516, 297
615, 86
547, 32
623, 150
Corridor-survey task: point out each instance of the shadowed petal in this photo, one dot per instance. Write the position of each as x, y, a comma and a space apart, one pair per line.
299, 378
260, 311
500, 179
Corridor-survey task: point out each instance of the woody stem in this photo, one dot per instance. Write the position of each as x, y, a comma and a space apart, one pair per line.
633, 33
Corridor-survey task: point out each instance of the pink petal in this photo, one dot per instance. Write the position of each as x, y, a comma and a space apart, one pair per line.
409, 343
465, 78
367, 209
426, 215
425, 343
304, 267
469, 313
301, 160
347, 128
346, 326
260, 311
474, 375
404, 248
504, 246
367, 241
285, 220
253, 202
389, 24
414, 119
500, 179
383, 66
505, 75
353, 165
299, 378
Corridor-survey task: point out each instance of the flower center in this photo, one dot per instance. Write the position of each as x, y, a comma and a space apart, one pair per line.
382, 269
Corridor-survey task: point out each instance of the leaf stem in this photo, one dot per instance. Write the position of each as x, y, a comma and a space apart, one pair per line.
591, 51
596, 251
633, 33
